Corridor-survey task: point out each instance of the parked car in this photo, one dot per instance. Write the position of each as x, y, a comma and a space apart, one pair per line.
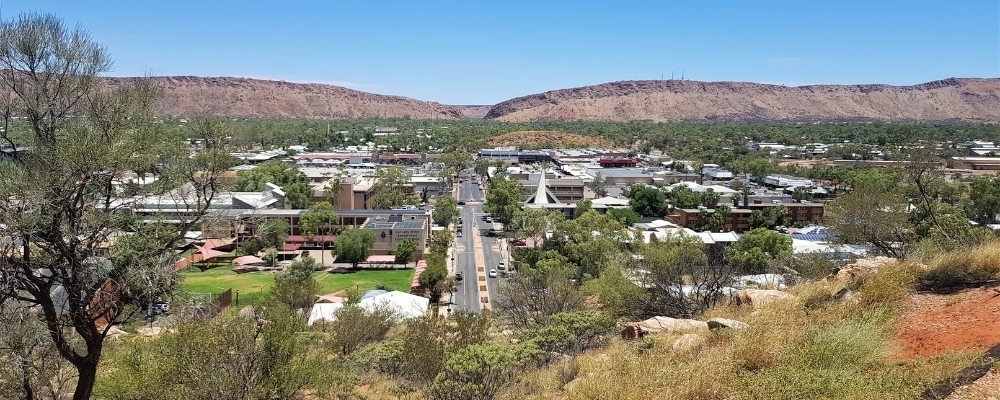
493, 273
458, 277
501, 266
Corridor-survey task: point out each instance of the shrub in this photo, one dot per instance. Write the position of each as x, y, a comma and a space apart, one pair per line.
385, 357
355, 327
480, 371
554, 338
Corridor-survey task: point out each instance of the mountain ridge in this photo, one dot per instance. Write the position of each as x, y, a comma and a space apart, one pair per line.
966, 99
264, 98
945, 99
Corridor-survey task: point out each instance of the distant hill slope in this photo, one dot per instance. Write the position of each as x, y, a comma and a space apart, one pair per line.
246, 97
472, 111
964, 99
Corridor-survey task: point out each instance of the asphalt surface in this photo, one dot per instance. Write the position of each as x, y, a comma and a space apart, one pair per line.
467, 295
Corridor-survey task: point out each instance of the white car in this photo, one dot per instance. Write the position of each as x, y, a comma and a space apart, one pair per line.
493, 273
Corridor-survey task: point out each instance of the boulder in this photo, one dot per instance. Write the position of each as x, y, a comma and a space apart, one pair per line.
716, 324
688, 342
115, 331
759, 297
857, 272
673, 325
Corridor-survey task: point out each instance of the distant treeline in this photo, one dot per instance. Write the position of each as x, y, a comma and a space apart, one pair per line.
706, 141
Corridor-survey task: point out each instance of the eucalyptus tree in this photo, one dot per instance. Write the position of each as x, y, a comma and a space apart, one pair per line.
69, 247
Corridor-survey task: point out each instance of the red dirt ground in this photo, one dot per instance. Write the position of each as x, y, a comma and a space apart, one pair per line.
933, 324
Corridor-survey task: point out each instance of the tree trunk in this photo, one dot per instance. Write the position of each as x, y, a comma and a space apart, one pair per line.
87, 377
29, 392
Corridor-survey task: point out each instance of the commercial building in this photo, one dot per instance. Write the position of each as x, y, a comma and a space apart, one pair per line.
975, 163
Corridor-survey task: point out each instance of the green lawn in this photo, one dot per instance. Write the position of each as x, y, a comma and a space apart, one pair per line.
255, 287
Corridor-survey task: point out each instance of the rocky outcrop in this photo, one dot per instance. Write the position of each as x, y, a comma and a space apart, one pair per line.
673, 325
718, 324
950, 99
254, 98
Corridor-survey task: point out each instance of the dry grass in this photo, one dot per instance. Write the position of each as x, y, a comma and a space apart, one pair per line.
962, 268
810, 348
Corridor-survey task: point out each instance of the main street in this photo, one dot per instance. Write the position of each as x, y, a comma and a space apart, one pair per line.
475, 255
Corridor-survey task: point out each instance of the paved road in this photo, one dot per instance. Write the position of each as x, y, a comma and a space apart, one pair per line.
469, 256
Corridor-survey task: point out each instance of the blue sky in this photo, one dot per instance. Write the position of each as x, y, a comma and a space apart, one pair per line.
471, 52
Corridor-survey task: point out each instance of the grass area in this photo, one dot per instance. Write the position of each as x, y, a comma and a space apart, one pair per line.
255, 287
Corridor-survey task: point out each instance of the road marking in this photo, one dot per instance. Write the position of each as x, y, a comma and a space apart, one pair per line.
480, 256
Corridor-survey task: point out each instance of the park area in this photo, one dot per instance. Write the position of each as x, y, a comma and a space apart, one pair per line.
255, 287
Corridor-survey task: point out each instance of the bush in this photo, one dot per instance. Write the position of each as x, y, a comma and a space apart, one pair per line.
963, 268
480, 371
385, 357
355, 327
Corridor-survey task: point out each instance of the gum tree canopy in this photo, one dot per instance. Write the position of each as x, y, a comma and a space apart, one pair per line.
69, 250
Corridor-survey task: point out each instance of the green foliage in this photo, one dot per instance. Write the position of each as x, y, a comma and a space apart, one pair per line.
589, 241
353, 245
297, 195
755, 166
218, 358
572, 332
319, 219
405, 250
769, 217
392, 189
674, 264
503, 199
873, 213
296, 287
984, 200
292, 181
272, 233
646, 200
435, 279
445, 210
682, 197
533, 295
626, 216
755, 250
354, 327
617, 294
534, 222
440, 241
480, 371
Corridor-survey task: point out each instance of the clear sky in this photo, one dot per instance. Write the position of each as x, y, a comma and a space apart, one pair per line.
479, 52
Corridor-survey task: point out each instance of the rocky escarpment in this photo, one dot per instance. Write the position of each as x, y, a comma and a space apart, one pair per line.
245, 97
971, 99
